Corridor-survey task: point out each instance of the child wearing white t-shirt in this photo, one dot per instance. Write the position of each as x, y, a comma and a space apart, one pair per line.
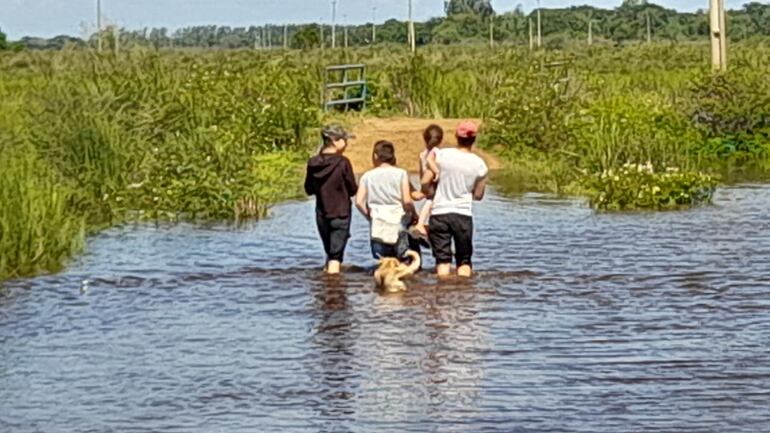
463, 181
385, 200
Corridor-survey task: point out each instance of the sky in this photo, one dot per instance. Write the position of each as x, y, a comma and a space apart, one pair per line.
46, 18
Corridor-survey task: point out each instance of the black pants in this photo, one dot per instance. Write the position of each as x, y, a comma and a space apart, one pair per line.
447, 228
335, 233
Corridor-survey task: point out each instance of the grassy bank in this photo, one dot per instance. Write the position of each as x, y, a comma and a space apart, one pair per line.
576, 129
88, 141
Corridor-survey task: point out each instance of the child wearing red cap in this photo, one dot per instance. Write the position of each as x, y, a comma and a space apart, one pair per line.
463, 180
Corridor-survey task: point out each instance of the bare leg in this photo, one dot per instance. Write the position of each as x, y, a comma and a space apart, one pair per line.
464, 271
422, 221
443, 269
333, 267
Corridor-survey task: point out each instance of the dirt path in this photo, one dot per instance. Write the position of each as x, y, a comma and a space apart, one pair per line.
406, 135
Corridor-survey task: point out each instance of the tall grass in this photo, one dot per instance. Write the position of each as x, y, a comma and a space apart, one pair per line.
88, 140
37, 230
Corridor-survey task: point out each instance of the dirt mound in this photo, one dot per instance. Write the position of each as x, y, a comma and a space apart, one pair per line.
406, 135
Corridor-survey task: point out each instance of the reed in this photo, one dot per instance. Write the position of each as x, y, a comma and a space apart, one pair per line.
38, 232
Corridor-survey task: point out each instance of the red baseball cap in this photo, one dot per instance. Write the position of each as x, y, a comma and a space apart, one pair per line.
466, 129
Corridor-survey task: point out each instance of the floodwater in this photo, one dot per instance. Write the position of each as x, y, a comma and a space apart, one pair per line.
576, 321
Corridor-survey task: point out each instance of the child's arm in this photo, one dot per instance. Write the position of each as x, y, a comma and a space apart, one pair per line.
309, 190
432, 165
350, 178
406, 199
479, 188
361, 201
430, 175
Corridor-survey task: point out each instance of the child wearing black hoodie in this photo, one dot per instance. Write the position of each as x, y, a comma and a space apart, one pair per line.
331, 180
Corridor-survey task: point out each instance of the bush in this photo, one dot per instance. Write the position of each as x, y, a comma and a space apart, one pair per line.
632, 127
534, 108
733, 113
639, 187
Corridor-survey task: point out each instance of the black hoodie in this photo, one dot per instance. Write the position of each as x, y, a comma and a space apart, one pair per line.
330, 178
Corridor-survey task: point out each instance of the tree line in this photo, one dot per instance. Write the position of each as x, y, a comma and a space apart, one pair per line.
465, 21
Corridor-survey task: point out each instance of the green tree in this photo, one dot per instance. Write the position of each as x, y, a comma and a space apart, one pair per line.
760, 17
3, 41
306, 38
459, 28
475, 7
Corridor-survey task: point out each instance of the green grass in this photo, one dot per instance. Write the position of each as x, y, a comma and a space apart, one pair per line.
89, 140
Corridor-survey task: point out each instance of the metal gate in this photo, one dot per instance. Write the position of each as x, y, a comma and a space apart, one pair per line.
351, 80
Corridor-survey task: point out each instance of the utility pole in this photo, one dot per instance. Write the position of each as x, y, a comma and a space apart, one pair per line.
99, 25
116, 37
590, 31
531, 40
269, 36
491, 32
374, 25
649, 28
723, 34
718, 35
412, 42
285, 37
334, 24
345, 30
539, 27
321, 30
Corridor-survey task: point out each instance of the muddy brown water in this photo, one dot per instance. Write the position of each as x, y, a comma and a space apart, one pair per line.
576, 321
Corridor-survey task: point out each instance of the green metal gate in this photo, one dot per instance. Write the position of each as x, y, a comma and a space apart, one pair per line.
350, 80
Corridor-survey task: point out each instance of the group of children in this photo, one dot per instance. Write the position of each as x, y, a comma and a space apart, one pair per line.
386, 198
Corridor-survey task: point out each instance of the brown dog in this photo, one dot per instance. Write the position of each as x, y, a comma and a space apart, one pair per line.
388, 276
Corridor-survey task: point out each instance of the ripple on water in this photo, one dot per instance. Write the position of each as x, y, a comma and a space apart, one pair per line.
575, 322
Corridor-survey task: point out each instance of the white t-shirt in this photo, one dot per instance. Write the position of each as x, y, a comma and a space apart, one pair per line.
459, 172
383, 196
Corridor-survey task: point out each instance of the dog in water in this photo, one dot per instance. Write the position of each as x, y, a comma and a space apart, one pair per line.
388, 275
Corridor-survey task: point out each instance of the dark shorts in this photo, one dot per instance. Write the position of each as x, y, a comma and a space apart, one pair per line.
447, 228
335, 233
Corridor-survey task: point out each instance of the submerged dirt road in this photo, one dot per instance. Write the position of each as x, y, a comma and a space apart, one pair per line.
406, 135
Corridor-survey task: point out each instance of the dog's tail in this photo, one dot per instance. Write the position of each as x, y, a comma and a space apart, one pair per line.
416, 261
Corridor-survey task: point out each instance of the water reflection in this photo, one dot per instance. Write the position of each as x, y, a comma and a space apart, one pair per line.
333, 362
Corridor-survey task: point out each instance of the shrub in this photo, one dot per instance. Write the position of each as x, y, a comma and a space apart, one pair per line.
534, 108
733, 112
639, 187
632, 127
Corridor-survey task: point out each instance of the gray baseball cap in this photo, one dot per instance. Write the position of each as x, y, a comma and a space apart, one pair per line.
335, 132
